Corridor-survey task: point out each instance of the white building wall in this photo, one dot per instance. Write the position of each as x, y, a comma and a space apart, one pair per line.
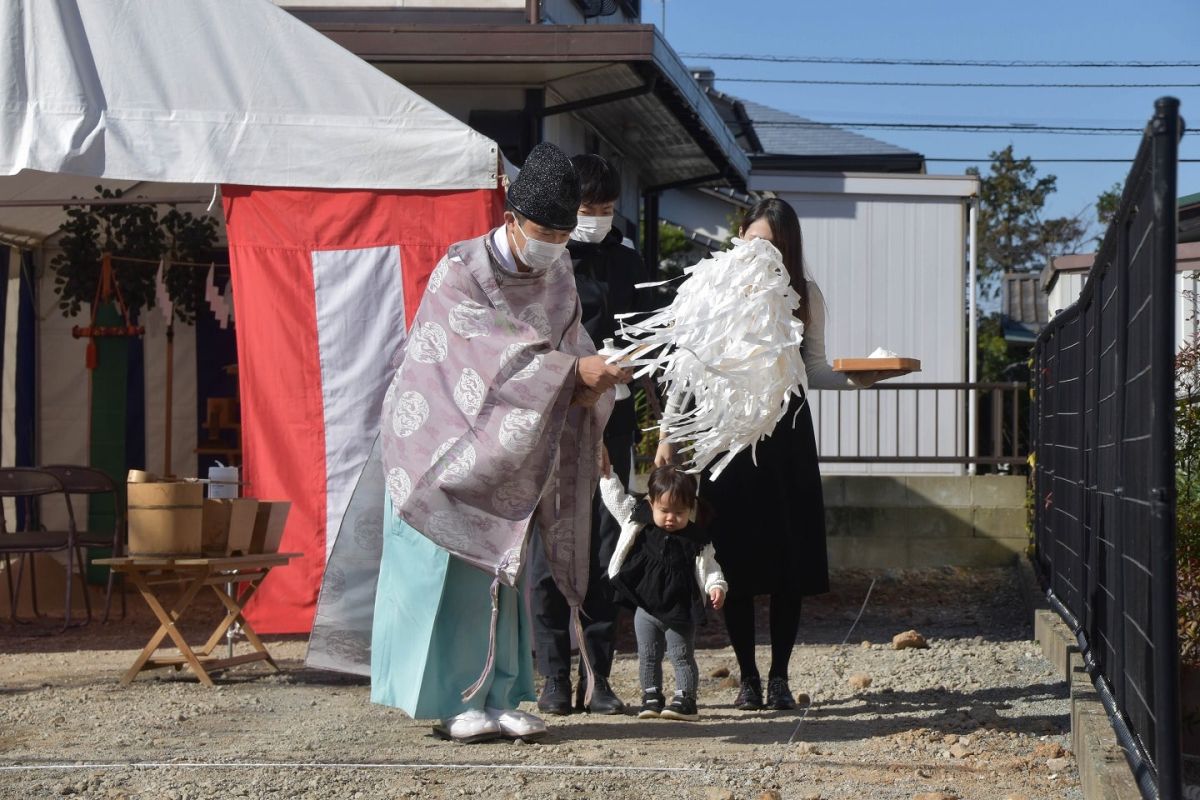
1068, 286
892, 272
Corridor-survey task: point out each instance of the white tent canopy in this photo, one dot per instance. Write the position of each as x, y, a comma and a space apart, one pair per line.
209, 92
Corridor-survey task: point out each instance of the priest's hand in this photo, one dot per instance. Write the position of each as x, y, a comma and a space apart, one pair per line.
595, 374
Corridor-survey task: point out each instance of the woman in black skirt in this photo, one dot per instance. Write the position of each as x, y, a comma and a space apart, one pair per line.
768, 523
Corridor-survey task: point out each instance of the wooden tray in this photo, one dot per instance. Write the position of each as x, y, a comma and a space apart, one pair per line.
874, 364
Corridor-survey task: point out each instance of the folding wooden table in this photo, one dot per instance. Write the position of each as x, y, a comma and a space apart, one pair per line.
150, 573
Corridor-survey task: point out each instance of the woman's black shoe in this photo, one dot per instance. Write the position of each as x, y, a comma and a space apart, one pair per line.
779, 696
749, 697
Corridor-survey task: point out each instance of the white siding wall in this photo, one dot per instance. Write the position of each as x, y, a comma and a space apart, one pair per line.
892, 271
1069, 285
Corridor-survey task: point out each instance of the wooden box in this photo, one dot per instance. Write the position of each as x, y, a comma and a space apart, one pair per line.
876, 364
165, 518
229, 526
268, 525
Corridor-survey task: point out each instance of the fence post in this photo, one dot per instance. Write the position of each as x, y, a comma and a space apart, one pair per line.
1165, 130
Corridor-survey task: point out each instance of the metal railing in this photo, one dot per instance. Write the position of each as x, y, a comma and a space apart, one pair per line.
923, 423
1103, 428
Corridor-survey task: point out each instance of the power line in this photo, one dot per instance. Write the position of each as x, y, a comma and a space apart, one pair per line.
929, 62
965, 84
1015, 127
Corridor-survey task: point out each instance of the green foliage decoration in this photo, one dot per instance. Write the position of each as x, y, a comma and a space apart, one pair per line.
131, 231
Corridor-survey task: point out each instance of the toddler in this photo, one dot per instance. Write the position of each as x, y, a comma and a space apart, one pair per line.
665, 567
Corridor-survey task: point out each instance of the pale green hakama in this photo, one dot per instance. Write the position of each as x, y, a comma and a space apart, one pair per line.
429, 638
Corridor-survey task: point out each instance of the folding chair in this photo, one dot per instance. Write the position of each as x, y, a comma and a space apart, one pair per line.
25, 485
90, 481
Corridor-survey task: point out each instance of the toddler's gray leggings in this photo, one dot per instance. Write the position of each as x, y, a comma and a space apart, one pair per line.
679, 642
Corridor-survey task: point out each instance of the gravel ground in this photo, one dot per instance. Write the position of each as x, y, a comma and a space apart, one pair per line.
979, 714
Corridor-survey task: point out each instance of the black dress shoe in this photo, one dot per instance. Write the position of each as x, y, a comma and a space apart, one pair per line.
556, 696
779, 696
750, 696
604, 699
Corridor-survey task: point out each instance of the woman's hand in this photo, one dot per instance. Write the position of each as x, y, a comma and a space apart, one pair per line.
717, 596
595, 374
665, 454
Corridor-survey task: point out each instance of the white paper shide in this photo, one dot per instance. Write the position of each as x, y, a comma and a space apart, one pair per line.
726, 351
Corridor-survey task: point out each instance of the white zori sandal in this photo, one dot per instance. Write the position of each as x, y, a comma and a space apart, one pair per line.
468, 727
518, 724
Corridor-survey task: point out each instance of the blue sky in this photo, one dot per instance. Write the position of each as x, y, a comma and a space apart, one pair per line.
1049, 30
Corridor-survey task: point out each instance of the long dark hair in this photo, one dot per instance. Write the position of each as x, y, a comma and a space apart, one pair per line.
785, 235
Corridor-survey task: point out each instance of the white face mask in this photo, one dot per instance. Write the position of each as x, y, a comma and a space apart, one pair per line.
592, 229
537, 254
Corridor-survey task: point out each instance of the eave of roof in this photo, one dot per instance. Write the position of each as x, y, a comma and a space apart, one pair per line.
639, 47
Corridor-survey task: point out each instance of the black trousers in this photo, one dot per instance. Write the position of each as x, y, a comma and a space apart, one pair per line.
551, 614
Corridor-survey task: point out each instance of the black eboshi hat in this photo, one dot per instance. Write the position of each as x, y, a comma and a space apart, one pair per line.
547, 188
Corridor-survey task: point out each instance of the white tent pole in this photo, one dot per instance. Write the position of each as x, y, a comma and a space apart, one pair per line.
973, 331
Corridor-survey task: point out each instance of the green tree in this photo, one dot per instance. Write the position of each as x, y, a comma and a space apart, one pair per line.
1013, 234
1107, 206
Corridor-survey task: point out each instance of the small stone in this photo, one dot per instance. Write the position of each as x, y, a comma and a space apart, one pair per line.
902, 641
811, 796
1058, 764
717, 793
720, 672
770, 794
959, 750
1015, 797
802, 699
1048, 750
935, 796
866, 645
807, 748
729, 683
950, 738
860, 681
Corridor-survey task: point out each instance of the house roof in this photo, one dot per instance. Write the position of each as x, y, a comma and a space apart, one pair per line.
623, 80
777, 139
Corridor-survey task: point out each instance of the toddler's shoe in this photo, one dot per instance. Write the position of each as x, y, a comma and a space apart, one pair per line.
681, 707
652, 705
515, 724
468, 727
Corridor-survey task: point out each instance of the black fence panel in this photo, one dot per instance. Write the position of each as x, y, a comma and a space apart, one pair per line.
1103, 434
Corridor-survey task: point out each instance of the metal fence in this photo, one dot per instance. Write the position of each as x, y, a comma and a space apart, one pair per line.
1103, 431
923, 423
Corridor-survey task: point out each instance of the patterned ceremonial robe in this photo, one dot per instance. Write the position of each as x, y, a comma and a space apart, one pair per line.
478, 433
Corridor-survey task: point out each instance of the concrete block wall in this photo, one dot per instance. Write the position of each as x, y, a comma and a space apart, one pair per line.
899, 522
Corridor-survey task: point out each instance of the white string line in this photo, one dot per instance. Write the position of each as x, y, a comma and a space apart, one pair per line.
853, 625
336, 765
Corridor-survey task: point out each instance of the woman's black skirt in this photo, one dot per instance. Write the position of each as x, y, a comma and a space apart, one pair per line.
768, 522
